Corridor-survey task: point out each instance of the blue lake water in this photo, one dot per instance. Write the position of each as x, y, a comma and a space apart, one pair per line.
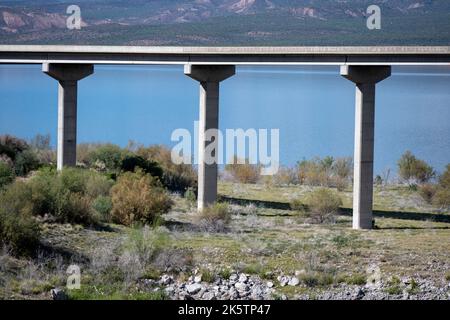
312, 106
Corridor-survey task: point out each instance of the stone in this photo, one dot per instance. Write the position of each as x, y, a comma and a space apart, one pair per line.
243, 278
208, 295
193, 288
233, 277
241, 287
270, 284
294, 282
165, 279
198, 279
283, 280
360, 294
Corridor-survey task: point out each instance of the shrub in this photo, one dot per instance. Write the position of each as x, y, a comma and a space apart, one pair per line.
12, 146
103, 205
68, 195
327, 172
25, 162
40, 145
413, 170
297, 205
285, 176
18, 229
323, 204
427, 192
109, 155
444, 179
6, 174
132, 162
97, 185
442, 197
175, 177
314, 172
214, 218
138, 197
242, 171
190, 195
74, 208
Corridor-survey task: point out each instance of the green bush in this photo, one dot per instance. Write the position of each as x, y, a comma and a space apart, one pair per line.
18, 229
175, 177
138, 197
103, 205
214, 218
68, 195
413, 170
323, 204
132, 162
6, 174
108, 155
26, 162
190, 195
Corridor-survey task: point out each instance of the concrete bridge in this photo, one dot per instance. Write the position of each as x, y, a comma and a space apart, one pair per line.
364, 66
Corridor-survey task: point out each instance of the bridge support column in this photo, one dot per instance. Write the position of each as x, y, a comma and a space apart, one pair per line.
209, 77
365, 78
68, 76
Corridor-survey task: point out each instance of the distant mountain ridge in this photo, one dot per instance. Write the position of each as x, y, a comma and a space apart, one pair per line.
25, 21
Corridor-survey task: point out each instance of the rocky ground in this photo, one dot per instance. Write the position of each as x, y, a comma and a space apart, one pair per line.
247, 287
267, 252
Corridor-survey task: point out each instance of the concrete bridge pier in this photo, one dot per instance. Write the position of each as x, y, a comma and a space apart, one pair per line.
365, 78
68, 76
209, 77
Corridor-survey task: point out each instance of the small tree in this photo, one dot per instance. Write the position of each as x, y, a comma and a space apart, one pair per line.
413, 170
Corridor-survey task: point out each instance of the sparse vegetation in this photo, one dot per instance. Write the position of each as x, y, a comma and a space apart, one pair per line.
44, 221
326, 172
394, 286
214, 218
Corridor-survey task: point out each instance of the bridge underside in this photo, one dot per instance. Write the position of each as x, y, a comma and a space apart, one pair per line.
365, 66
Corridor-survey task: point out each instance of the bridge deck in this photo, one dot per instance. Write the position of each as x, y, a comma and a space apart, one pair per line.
408, 55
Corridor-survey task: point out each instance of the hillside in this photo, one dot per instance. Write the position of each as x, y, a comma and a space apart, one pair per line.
226, 22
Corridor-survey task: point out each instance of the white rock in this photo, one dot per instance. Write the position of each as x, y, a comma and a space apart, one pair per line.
270, 284
241, 287
198, 279
165, 279
193, 288
243, 278
208, 296
294, 282
283, 281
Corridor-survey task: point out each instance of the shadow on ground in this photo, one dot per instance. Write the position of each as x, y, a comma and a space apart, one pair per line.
402, 215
